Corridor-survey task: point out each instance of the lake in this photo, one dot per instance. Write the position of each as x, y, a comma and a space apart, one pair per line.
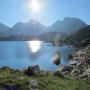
18, 55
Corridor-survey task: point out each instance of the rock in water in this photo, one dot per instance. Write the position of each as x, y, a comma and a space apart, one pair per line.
56, 58
32, 70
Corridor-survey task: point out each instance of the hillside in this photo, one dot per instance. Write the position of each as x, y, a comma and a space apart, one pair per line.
4, 30
51, 36
80, 37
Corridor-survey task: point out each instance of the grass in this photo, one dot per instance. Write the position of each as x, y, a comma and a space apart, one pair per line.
49, 82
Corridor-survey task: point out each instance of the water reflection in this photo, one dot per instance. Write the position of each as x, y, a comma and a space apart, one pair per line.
34, 45
18, 55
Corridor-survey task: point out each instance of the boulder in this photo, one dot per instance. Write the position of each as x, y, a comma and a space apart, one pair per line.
70, 56
33, 84
59, 74
88, 61
67, 68
73, 62
56, 58
32, 70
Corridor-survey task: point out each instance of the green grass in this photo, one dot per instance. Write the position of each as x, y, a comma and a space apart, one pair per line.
49, 82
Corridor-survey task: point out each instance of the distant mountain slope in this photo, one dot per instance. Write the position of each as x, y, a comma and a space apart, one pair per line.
62, 29
82, 34
51, 36
68, 25
32, 28
4, 30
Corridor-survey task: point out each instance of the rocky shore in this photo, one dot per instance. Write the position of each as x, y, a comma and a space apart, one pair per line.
79, 66
66, 77
32, 78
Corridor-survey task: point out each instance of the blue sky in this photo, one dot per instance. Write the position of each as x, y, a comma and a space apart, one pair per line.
13, 11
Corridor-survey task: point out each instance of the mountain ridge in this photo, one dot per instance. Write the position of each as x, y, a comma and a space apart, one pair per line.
69, 25
34, 28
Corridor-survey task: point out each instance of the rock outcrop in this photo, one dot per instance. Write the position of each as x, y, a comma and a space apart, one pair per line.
79, 65
32, 70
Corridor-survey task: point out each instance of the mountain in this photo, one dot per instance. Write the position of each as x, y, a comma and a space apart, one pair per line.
4, 30
68, 25
32, 28
61, 29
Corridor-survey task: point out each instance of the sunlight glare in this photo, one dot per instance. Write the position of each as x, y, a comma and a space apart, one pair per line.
35, 6
34, 46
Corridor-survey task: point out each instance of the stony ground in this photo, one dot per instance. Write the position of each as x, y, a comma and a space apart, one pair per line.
17, 80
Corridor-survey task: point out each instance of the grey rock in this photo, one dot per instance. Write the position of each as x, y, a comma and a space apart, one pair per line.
88, 61
59, 74
33, 84
73, 62
56, 58
67, 68
32, 70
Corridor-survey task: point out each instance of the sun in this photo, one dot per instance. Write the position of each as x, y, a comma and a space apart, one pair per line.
35, 6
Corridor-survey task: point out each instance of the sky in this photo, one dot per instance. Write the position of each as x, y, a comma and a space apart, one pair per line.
13, 11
